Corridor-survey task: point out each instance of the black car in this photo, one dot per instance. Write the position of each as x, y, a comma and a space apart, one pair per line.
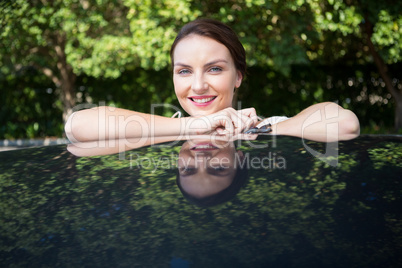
271, 202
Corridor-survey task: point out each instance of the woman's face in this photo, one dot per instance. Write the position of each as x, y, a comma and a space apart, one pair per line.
205, 168
204, 75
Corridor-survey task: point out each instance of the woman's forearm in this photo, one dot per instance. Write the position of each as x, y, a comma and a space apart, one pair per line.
107, 123
325, 122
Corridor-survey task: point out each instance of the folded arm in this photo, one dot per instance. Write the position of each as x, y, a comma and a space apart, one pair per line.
109, 123
324, 122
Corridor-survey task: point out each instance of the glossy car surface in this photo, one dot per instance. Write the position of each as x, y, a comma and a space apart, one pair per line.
293, 209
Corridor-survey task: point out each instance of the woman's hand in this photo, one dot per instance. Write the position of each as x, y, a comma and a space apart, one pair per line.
225, 122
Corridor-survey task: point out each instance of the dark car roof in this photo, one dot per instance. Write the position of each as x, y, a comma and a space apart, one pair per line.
305, 204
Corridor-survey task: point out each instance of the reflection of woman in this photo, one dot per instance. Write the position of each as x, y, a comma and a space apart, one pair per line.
210, 173
209, 64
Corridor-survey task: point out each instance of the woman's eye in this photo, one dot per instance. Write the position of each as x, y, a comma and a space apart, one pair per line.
187, 170
220, 168
216, 69
184, 71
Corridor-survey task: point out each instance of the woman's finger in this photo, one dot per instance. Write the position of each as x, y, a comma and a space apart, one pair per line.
231, 121
251, 113
223, 120
246, 119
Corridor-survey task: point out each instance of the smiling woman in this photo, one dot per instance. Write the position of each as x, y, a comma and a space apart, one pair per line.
210, 174
209, 63
204, 82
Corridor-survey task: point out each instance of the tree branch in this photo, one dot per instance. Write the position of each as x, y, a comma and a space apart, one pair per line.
379, 62
49, 73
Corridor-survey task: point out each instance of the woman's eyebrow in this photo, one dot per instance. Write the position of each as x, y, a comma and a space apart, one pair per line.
182, 65
215, 62
207, 64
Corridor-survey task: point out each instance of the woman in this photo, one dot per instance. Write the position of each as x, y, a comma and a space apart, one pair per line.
210, 173
209, 64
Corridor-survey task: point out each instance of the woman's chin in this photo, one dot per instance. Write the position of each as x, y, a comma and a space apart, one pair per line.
203, 111
200, 111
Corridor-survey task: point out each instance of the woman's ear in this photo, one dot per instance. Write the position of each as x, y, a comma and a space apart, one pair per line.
239, 79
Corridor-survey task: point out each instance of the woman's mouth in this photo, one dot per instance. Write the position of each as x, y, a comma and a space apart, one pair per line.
202, 100
203, 147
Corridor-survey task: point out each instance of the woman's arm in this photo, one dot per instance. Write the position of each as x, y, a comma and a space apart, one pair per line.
109, 123
324, 122
107, 147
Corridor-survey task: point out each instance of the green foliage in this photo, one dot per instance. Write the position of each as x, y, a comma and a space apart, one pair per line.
391, 154
336, 21
105, 38
355, 87
154, 25
30, 107
120, 52
94, 37
388, 36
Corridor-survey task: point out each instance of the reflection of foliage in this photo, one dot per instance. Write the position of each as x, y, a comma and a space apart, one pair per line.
59, 210
391, 154
118, 52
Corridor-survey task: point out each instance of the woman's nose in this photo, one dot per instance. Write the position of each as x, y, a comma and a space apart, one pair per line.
203, 155
199, 85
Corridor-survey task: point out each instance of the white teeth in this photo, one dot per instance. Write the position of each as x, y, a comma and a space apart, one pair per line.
202, 100
206, 146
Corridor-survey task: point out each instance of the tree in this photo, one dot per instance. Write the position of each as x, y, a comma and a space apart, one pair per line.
102, 39
63, 39
362, 31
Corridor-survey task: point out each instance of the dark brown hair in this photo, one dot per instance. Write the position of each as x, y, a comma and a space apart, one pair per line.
239, 180
218, 31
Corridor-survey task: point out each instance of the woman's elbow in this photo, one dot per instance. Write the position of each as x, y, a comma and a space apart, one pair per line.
349, 126
68, 128
80, 125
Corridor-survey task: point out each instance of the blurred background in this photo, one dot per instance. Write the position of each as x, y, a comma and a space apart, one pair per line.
58, 56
